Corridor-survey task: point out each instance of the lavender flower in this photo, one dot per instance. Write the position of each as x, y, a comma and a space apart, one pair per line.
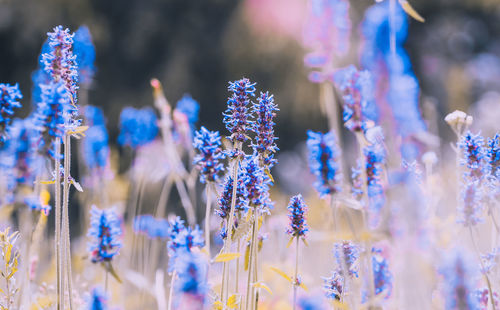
95, 147
470, 208
493, 155
237, 116
297, 211
208, 144
323, 162
94, 116
98, 299
458, 279
381, 273
374, 160
137, 127
357, 181
192, 269
347, 253
334, 286
257, 184
188, 107
474, 156
310, 303
225, 199
356, 88
84, 51
151, 227
182, 239
9, 99
105, 233
264, 144
59, 62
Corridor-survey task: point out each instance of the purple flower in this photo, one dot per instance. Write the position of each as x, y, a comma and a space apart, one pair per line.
381, 273
334, 286
374, 160
98, 299
493, 155
264, 145
297, 214
105, 233
347, 253
237, 117
137, 127
84, 51
323, 162
474, 156
9, 99
208, 144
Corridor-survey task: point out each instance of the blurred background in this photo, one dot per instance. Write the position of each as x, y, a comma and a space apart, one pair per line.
198, 46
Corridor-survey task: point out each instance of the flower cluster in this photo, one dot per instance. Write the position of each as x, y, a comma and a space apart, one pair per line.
474, 156
374, 161
95, 145
151, 227
188, 107
297, 214
105, 233
257, 184
237, 117
181, 239
327, 33
264, 144
59, 62
334, 286
225, 200
208, 144
382, 276
323, 162
347, 253
356, 88
98, 299
493, 155
9, 99
191, 269
84, 51
137, 127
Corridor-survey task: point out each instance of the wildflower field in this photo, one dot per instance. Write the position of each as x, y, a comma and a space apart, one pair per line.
379, 210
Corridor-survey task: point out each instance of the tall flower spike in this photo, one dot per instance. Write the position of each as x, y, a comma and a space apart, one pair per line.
59, 62
348, 253
226, 198
257, 183
137, 127
381, 273
264, 145
375, 159
192, 282
474, 156
356, 88
84, 51
297, 214
189, 108
493, 155
237, 117
208, 160
334, 286
9, 99
323, 162
105, 233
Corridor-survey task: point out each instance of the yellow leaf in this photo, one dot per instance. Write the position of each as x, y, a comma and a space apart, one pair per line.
281, 273
411, 11
217, 305
247, 257
8, 253
48, 182
262, 285
79, 130
290, 242
233, 301
340, 305
225, 257
305, 242
44, 197
304, 287
268, 173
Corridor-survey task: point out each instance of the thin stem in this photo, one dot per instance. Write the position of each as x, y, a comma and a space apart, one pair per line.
207, 219
237, 268
255, 294
295, 279
57, 236
171, 293
250, 265
483, 270
65, 211
186, 202
106, 281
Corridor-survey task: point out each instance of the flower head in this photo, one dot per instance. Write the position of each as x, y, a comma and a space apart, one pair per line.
264, 144
374, 160
189, 108
323, 161
84, 51
471, 208
237, 117
59, 62
182, 239
381, 273
105, 233
297, 214
357, 90
151, 227
208, 144
493, 155
98, 299
95, 147
347, 253
334, 286
137, 127
226, 199
256, 182
9, 99
192, 269
474, 155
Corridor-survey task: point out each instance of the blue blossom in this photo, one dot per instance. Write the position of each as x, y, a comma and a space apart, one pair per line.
9, 99
264, 144
493, 155
357, 91
473, 156
237, 117
310, 303
256, 182
105, 233
191, 269
382, 276
59, 62
208, 144
137, 127
374, 160
347, 253
84, 51
182, 239
190, 108
94, 116
357, 181
458, 277
470, 208
95, 147
225, 199
334, 286
151, 227
98, 299
323, 162
297, 214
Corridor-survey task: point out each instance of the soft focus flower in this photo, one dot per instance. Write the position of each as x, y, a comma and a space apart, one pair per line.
59, 62
381, 273
347, 253
458, 282
40, 203
483, 296
297, 214
375, 160
95, 147
182, 239
473, 155
470, 208
98, 299
151, 227
334, 286
191, 269
9, 99
264, 144
137, 127
225, 199
208, 160
84, 50
310, 303
188, 107
356, 88
357, 181
324, 155
105, 233
493, 155
237, 117
94, 116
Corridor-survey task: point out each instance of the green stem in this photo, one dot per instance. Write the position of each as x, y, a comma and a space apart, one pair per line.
57, 237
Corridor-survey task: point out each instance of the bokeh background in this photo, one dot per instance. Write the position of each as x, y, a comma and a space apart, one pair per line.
197, 46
